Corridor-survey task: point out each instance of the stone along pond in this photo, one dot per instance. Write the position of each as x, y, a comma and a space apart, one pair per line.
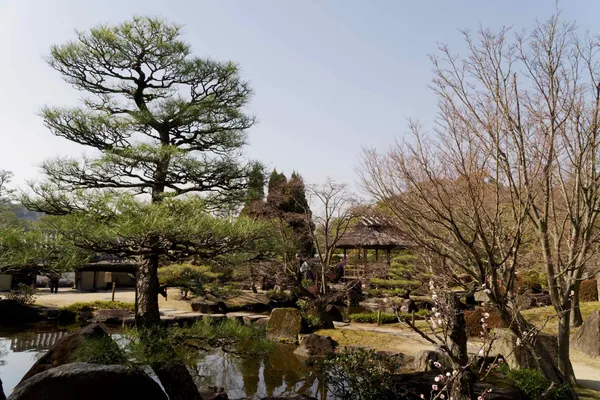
277, 373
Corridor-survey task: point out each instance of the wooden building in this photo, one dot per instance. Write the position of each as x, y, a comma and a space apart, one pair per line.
381, 234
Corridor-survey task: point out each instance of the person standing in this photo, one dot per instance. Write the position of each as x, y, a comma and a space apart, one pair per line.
54, 278
300, 259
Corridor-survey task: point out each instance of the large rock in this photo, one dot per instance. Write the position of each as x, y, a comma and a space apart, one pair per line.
334, 313
111, 316
64, 350
284, 325
88, 381
354, 293
587, 338
205, 306
518, 356
316, 346
14, 312
424, 361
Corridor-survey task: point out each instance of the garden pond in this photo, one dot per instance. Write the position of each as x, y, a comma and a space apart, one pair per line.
278, 373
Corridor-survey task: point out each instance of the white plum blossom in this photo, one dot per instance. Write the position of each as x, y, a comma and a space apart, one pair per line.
518, 341
437, 315
437, 364
442, 396
448, 374
481, 353
486, 315
437, 379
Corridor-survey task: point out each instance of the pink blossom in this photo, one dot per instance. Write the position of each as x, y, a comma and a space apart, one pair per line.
501, 360
442, 396
434, 387
437, 364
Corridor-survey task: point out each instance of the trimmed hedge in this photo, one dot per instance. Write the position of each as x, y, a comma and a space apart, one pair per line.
386, 318
371, 318
394, 283
588, 290
473, 320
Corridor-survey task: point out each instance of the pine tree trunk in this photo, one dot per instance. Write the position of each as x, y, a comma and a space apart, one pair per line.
147, 315
576, 318
174, 376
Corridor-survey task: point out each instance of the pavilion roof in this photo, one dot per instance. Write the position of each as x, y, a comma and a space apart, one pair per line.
375, 232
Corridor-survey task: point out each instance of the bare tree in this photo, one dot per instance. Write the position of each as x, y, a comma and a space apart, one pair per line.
533, 104
332, 206
514, 150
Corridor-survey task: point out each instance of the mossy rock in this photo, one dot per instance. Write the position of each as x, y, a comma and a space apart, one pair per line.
284, 325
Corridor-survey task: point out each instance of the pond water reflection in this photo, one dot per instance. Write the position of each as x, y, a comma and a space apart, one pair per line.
278, 373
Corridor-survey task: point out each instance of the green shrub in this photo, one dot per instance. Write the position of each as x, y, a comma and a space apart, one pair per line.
371, 318
82, 310
101, 350
223, 292
24, 294
230, 334
312, 322
532, 383
187, 277
99, 305
280, 295
359, 374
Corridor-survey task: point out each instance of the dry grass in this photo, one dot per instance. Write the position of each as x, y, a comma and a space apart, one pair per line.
545, 317
374, 340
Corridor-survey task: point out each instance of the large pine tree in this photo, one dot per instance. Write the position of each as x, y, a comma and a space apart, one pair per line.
164, 124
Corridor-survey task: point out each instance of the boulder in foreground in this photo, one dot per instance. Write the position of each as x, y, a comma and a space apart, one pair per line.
88, 381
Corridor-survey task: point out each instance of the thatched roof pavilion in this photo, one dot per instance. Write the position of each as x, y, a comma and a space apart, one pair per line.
374, 233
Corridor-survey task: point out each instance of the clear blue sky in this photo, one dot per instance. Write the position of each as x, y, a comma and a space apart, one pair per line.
330, 77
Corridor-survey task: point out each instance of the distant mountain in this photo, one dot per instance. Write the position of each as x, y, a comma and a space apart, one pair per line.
22, 213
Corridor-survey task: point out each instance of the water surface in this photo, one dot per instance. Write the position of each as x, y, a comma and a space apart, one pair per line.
278, 373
